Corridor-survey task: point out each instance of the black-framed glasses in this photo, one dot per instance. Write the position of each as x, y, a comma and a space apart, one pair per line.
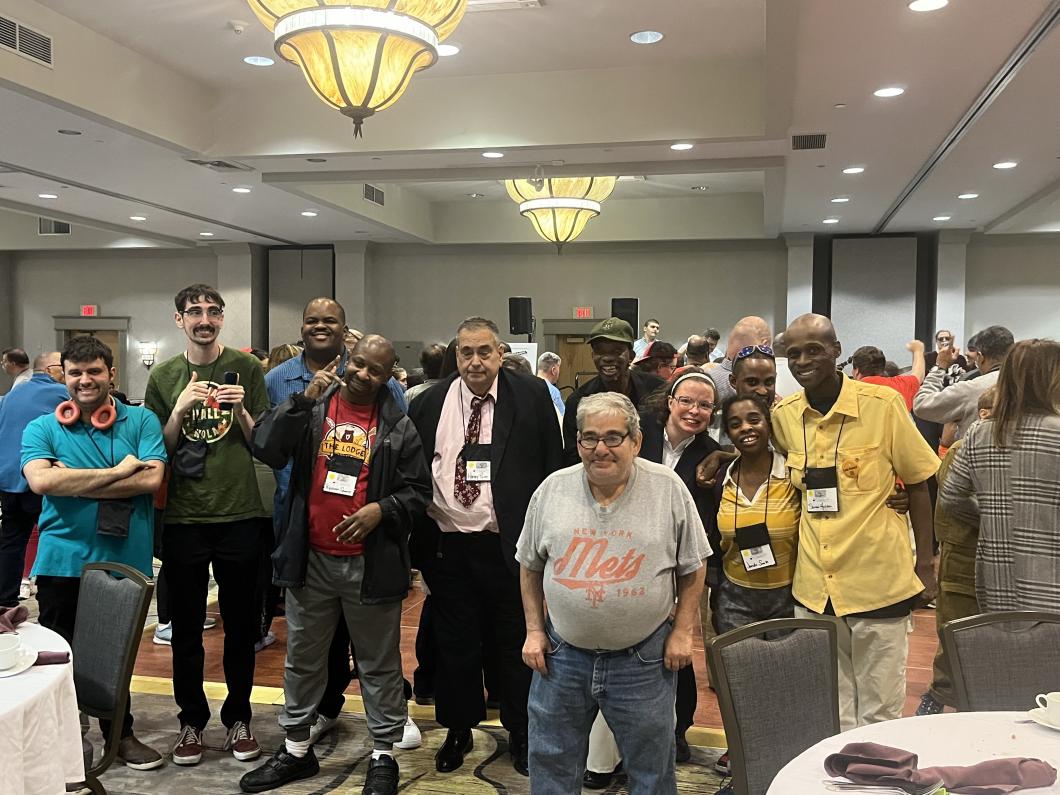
943, 339
214, 312
750, 349
51, 367
686, 402
589, 441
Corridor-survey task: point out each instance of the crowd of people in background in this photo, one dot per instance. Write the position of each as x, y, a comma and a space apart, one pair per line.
561, 533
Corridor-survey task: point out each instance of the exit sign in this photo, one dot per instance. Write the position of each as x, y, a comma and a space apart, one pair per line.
92, 310
583, 312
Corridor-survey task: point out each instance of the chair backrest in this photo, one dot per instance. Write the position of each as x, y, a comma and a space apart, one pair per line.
778, 690
1001, 661
110, 620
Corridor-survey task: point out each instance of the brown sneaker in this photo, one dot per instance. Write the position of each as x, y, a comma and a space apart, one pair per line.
188, 750
137, 755
242, 743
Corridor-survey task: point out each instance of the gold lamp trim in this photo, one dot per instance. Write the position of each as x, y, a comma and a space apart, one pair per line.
560, 207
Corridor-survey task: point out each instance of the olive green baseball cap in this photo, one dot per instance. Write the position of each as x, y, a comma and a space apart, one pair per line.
612, 328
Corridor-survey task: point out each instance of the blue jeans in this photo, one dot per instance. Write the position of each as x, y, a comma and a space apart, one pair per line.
636, 694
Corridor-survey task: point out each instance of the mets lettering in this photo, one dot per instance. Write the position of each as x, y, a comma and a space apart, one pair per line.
586, 564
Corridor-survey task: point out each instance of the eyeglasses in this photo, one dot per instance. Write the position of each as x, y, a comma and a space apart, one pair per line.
589, 441
687, 403
214, 313
943, 339
51, 367
750, 349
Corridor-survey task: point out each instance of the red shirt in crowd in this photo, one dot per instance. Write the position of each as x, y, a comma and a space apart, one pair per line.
905, 385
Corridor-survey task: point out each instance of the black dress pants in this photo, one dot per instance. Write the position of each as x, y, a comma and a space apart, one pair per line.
234, 550
20, 513
687, 699
57, 600
472, 588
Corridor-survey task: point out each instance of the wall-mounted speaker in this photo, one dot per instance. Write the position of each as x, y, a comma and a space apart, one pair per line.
520, 315
628, 310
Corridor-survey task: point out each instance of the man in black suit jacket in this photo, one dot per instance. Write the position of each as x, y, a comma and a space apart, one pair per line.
490, 437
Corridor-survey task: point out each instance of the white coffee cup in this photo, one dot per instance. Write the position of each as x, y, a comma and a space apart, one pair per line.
11, 645
1050, 704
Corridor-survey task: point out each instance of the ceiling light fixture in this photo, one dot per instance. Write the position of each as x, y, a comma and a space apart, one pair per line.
1006, 164
68, 132
854, 170
560, 208
681, 147
646, 37
830, 221
967, 195
941, 218
317, 159
627, 178
137, 217
889, 91
475, 195
928, 5
47, 195
205, 234
310, 213
447, 50
241, 190
359, 58
700, 187
840, 199
839, 105
258, 60
493, 155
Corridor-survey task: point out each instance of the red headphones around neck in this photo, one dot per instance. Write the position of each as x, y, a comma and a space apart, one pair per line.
69, 413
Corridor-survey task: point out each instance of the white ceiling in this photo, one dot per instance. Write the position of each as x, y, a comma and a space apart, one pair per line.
799, 58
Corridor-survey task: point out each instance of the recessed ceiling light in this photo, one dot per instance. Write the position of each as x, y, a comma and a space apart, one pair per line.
889, 91
700, 187
967, 195
830, 221
445, 50
317, 159
840, 199
681, 147
1006, 164
69, 132
241, 190
854, 170
839, 105
205, 234
47, 195
646, 37
493, 155
137, 217
928, 5
941, 218
309, 213
475, 195
258, 60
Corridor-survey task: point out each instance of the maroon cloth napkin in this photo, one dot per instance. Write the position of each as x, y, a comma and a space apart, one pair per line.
11, 617
52, 658
870, 763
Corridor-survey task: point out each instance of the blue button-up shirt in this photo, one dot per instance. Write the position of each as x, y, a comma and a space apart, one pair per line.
37, 397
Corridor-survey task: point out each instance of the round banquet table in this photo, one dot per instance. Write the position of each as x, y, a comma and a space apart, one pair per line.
952, 738
40, 732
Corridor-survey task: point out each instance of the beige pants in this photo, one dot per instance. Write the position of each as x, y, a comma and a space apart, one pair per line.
872, 657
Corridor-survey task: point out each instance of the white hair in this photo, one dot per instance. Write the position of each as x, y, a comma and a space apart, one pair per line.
609, 403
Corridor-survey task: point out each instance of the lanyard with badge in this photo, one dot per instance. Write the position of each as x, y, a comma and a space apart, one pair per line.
753, 541
476, 457
822, 483
113, 516
342, 471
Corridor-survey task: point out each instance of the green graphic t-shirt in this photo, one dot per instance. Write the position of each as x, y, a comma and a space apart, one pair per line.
228, 492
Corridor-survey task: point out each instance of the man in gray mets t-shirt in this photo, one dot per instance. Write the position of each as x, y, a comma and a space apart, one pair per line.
615, 546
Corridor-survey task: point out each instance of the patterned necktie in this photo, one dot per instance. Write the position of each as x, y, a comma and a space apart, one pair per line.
466, 492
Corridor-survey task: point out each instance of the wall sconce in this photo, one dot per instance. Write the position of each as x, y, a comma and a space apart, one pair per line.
147, 353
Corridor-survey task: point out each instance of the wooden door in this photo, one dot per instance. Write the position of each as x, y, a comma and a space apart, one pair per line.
577, 359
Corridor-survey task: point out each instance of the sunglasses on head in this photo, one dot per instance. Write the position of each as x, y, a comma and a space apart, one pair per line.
750, 349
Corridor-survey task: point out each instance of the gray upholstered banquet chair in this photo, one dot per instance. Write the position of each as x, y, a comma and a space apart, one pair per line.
1001, 661
110, 620
778, 695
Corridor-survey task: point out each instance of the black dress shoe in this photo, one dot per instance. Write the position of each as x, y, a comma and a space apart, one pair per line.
519, 747
282, 768
593, 780
382, 778
451, 755
684, 753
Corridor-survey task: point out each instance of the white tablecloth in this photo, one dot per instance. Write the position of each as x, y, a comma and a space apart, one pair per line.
956, 738
40, 733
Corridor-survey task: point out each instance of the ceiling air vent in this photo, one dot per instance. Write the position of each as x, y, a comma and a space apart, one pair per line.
49, 226
808, 141
25, 41
374, 194
224, 166
501, 5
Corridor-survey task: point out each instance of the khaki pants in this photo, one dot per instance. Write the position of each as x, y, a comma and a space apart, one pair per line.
872, 657
956, 599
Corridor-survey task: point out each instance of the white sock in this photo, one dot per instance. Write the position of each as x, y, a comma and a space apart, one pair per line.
298, 748
377, 754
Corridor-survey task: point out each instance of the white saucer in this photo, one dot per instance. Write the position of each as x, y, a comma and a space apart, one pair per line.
27, 655
1038, 716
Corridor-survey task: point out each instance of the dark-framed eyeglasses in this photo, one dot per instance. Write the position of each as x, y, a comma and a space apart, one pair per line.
589, 441
944, 339
214, 312
765, 350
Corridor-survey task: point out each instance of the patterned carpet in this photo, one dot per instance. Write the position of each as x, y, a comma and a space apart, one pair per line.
342, 754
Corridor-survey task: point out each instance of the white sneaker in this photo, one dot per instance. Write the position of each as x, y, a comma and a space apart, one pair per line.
412, 737
25, 590
321, 727
209, 622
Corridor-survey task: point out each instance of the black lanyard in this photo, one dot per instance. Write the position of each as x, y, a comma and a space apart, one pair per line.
196, 411
736, 501
805, 448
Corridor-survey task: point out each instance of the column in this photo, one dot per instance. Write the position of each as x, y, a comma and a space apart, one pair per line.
951, 296
800, 276
351, 288
235, 279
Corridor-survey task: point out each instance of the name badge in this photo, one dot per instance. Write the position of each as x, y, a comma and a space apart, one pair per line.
822, 490
755, 550
477, 462
341, 477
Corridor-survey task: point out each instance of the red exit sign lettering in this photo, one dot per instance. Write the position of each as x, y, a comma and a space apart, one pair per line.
89, 310
583, 312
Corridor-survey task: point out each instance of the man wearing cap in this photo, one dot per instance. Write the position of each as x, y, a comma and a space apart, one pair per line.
612, 344
659, 358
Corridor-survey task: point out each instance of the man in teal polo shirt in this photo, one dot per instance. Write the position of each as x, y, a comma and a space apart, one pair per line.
96, 469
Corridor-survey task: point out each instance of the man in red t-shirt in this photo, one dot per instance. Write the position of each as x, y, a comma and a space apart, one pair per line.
359, 480
869, 362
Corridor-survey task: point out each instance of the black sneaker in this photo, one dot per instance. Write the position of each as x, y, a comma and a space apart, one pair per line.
382, 778
929, 706
684, 753
281, 769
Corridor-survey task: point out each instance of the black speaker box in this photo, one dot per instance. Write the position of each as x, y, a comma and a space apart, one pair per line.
520, 315
628, 310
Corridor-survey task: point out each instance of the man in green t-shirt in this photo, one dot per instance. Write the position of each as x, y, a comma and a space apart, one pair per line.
206, 399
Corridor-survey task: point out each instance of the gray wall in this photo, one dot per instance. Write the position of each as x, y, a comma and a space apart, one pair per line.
1014, 281
423, 292
295, 277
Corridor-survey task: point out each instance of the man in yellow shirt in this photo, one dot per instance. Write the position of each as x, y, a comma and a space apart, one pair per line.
846, 443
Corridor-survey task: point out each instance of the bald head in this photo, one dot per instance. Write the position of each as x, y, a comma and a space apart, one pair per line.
45, 360
370, 366
377, 344
813, 349
751, 330
819, 325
